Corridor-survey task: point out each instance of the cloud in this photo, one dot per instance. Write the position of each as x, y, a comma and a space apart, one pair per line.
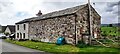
112, 4
110, 14
4, 4
12, 11
21, 14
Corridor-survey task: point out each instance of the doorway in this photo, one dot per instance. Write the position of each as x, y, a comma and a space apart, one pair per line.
20, 35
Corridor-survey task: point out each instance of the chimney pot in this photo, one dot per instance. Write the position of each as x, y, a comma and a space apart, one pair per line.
39, 13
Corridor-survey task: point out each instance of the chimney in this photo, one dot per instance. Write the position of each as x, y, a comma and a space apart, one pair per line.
39, 13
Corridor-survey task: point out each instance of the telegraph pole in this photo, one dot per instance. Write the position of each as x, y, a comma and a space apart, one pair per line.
90, 22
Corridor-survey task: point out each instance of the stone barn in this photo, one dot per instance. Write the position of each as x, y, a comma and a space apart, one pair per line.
72, 23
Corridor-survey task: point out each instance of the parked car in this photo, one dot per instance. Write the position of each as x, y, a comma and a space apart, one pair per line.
2, 36
12, 36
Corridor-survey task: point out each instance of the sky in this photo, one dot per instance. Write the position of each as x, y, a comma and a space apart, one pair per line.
12, 11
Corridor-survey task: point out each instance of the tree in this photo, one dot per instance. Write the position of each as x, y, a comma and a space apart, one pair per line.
110, 25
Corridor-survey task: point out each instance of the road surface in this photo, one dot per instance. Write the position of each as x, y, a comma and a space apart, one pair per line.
8, 47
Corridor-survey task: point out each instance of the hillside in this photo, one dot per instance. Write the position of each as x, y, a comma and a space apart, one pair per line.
115, 24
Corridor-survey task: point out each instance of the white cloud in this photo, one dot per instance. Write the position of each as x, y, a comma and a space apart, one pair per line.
12, 11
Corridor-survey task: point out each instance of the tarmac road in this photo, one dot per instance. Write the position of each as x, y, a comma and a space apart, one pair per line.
8, 48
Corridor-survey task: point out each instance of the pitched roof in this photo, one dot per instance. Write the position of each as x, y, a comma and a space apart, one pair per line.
12, 28
26, 20
55, 14
3, 28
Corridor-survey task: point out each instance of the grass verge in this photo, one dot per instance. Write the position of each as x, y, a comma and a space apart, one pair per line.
47, 47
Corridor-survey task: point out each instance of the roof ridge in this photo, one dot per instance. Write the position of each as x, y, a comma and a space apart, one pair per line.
66, 11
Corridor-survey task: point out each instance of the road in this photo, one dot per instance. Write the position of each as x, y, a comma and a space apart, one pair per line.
8, 47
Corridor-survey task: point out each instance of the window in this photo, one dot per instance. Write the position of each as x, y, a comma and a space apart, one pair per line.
17, 35
24, 26
17, 27
23, 35
20, 35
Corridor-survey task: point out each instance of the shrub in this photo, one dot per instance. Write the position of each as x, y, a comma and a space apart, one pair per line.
110, 31
81, 44
110, 25
104, 33
6, 33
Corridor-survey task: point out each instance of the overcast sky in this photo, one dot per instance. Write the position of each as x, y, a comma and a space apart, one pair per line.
12, 11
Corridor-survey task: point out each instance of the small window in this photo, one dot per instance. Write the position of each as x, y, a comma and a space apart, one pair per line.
17, 35
17, 27
24, 26
23, 35
20, 35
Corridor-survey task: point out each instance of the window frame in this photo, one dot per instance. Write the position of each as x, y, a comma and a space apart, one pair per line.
17, 27
24, 26
23, 35
17, 35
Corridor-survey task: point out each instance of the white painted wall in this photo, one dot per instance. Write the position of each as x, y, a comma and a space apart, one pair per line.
0, 28
21, 30
7, 30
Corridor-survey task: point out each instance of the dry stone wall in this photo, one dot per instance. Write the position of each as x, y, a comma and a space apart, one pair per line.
49, 30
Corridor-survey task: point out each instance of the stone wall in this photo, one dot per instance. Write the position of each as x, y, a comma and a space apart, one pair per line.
96, 24
49, 30
83, 27
73, 27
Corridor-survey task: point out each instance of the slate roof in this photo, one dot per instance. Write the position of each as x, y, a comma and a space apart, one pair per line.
3, 28
11, 27
26, 20
54, 14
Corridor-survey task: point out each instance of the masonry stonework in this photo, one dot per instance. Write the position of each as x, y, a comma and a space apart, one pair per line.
50, 29
72, 24
82, 24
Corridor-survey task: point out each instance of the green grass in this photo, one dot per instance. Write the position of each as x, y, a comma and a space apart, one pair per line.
98, 49
110, 31
47, 47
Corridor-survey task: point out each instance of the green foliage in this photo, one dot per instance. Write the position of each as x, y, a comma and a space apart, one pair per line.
104, 33
110, 31
110, 25
81, 44
0, 31
61, 48
48, 47
6, 33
